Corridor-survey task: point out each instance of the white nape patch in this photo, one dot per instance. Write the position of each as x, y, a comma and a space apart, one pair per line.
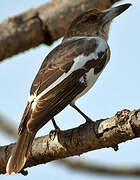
7, 167
90, 79
79, 62
102, 44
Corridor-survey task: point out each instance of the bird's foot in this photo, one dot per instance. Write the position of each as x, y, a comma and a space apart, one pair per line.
24, 172
53, 133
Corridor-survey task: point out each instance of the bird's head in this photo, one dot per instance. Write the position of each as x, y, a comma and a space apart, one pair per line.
94, 22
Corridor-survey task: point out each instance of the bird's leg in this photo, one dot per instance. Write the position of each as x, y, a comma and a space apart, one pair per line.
88, 120
54, 132
55, 125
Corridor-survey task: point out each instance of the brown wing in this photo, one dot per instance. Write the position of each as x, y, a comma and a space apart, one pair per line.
43, 79
58, 62
55, 101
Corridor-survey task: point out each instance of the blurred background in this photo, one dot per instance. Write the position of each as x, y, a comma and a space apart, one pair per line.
117, 88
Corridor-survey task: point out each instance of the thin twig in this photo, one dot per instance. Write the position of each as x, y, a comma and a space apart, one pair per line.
7, 127
100, 169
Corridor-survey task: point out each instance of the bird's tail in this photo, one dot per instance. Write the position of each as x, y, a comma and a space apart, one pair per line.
20, 152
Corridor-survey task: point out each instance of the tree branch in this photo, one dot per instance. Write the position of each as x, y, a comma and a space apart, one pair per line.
124, 126
100, 169
7, 127
42, 25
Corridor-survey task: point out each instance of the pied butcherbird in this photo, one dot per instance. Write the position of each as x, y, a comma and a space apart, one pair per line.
67, 73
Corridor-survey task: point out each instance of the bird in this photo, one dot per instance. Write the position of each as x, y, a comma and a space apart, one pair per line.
66, 74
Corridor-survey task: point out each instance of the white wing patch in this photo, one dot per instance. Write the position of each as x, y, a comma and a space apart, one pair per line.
91, 79
79, 62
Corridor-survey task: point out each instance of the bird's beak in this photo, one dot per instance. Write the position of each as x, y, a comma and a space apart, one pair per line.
113, 12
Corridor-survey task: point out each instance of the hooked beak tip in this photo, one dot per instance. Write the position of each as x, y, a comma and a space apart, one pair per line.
115, 11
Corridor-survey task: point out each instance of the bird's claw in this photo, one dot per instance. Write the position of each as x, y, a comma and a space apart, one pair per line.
53, 133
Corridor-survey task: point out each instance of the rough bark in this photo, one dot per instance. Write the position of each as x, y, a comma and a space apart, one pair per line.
124, 126
42, 25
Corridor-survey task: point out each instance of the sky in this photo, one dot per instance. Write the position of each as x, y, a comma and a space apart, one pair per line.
117, 88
